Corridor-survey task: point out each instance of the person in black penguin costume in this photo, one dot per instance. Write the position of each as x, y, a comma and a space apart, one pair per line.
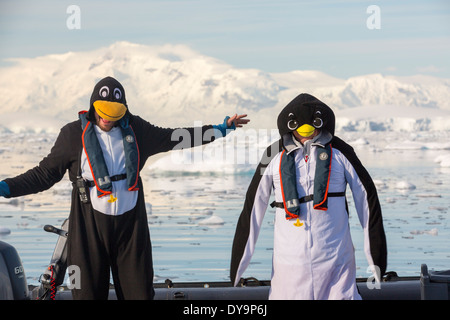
308, 171
105, 149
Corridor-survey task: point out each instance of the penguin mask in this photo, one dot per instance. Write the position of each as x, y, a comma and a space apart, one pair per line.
108, 99
304, 114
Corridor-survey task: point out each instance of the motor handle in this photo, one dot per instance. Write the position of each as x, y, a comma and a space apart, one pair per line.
50, 228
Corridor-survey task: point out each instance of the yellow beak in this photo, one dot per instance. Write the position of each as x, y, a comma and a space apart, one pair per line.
111, 111
306, 130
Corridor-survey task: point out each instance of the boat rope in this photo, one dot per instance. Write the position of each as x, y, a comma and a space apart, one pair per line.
52, 284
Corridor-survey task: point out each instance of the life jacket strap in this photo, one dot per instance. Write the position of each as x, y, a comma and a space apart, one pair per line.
307, 199
118, 177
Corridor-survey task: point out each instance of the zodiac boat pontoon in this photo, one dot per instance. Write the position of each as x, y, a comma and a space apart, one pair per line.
430, 285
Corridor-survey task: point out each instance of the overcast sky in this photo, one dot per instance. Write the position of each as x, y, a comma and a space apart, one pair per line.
403, 37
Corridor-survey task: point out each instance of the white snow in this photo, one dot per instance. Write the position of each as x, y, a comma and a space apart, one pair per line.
172, 85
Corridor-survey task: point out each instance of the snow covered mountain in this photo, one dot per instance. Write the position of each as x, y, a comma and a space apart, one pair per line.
172, 85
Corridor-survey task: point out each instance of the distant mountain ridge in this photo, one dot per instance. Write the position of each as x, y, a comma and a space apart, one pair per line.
172, 85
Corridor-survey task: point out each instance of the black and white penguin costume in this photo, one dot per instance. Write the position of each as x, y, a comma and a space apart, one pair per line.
109, 231
313, 254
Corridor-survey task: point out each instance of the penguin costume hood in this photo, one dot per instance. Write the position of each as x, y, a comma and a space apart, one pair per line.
304, 114
108, 100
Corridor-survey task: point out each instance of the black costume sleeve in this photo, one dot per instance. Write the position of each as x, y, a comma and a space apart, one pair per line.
52, 168
255, 205
375, 231
155, 139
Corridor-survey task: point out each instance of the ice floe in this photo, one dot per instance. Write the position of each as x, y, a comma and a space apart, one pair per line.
405, 185
212, 221
4, 231
432, 232
443, 160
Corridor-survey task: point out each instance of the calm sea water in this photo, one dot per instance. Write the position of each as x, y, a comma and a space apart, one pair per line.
184, 249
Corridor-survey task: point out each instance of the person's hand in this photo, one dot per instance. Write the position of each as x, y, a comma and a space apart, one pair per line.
4, 189
237, 120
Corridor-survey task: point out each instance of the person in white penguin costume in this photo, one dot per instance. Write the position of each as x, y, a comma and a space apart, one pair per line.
308, 171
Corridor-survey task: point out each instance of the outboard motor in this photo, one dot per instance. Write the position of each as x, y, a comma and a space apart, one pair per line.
13, 283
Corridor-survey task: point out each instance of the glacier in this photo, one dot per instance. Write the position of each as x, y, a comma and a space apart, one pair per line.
173, 85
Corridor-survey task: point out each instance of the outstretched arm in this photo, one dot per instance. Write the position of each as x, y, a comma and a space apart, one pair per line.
156, 139
51, 169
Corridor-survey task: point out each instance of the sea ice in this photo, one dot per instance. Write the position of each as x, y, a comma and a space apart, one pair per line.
213, 220
443, 160
359, 142
207, 212
406, 145
432, 232
438, 208
4, 231
404, 185
390, 200
428, 195
380, 184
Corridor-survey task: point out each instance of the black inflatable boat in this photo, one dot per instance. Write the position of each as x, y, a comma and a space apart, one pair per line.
430, 285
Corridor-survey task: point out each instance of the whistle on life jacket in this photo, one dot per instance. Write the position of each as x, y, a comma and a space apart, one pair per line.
112, 199
298, 223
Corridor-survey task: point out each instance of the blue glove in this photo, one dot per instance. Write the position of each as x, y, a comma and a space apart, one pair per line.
223, 128
4, 189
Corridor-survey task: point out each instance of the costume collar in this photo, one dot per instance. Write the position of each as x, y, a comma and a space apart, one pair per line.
292, 144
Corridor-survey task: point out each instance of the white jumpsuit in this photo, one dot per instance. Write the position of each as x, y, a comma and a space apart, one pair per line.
315, 260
